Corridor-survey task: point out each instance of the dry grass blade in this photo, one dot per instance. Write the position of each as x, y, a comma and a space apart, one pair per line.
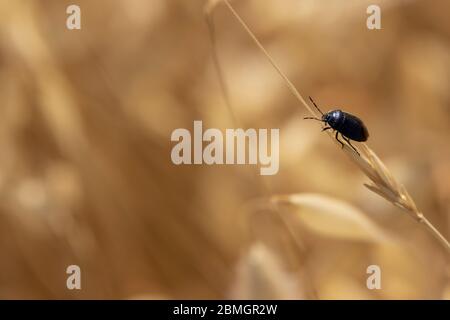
332, 217
384, 183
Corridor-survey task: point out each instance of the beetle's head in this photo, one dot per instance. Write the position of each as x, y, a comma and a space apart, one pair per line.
326, 117
332, 117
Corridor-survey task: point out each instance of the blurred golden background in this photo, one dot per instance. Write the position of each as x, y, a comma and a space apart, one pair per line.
85, 170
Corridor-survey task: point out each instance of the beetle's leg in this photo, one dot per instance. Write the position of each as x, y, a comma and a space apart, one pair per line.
326, 128
348, 140
337, 138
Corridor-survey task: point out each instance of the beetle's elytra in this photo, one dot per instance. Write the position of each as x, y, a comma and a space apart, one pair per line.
349, 126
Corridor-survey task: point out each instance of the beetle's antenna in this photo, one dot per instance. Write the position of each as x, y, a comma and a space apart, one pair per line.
315, 105
313, 118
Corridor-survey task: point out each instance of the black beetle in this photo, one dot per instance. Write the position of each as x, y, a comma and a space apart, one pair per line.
349, 126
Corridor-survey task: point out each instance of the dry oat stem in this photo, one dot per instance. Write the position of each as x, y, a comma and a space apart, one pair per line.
383, 182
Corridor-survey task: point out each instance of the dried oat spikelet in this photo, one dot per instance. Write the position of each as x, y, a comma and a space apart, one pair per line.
385, 185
